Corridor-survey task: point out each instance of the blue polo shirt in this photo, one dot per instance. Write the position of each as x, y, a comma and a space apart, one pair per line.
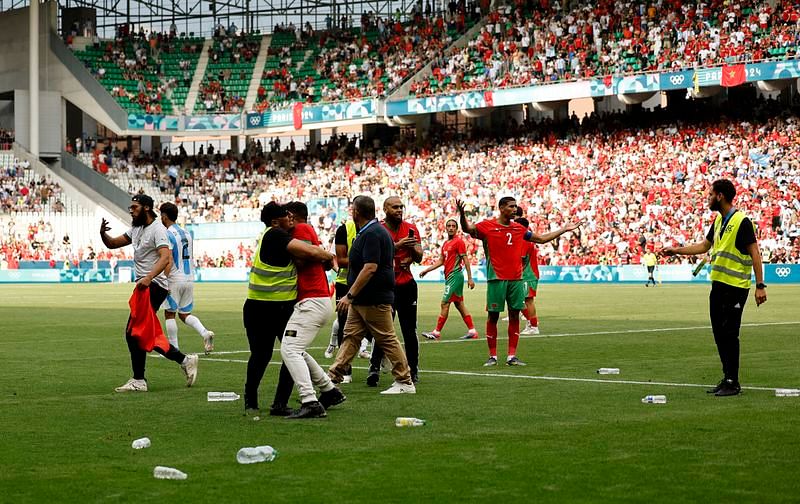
373, 245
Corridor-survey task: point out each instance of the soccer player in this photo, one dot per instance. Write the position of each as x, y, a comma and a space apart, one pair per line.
181, 281
454, 254
407, 250
530, 275
503, 241
150, 257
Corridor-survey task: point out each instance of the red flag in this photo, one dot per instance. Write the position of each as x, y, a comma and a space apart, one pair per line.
144, 324
488, 97
297, 113
733, 75
608, 80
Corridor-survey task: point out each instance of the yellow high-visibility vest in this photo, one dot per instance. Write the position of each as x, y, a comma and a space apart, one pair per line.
271, 283
341, 276
728, 265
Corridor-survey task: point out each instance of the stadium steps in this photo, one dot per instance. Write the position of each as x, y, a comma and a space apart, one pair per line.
199, 72
258, 71
403, 90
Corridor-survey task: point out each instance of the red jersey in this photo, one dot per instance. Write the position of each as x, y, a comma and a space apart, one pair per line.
312, 282
453, 252
504, 246
402, 256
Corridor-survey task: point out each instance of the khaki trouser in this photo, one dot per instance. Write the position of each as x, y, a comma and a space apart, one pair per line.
377, 320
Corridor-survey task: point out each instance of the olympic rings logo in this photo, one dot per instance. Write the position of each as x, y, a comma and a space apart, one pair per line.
254, 120
783, 272
677, 79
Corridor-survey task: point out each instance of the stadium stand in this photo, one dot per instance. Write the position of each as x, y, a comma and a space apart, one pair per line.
232, 59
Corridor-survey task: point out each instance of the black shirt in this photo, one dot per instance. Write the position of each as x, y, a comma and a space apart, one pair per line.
373, 245
341, 235
744, 237
273, 248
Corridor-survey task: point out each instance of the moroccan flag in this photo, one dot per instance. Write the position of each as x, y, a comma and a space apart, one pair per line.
488, 97
608, 81
144, 325
297, 114
733, 75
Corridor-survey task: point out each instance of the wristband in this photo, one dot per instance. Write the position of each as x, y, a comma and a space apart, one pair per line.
761, 286
349, 296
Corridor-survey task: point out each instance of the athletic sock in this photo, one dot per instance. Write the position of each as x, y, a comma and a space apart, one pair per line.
440, 323
513, 336
334, 333
491, 338
172, 332
469, 322
525, 313
534, 321
195, 324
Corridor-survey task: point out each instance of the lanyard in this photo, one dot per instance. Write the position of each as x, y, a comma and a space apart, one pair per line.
368, 224
725, 221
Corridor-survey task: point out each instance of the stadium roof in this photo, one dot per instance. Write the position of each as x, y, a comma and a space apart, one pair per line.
200, 16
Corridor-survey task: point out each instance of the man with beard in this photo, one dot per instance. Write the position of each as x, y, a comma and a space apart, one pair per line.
735, 257
150, 257
454, 254
408, 249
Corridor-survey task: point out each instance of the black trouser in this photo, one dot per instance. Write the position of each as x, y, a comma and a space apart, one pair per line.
139, 356
405, 308
264, 322
726, 304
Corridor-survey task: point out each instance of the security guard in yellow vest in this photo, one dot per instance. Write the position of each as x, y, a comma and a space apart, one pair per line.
734, 258
271, 294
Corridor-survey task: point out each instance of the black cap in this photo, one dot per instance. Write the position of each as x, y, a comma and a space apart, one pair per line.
272, 210
144, 200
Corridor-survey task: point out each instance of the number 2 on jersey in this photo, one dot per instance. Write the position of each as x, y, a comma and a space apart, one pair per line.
509, 239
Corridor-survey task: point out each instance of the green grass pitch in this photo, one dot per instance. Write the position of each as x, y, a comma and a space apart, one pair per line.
553, 431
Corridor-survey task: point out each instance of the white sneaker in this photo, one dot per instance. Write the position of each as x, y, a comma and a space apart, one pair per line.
363, 354
330, 351
133, 385
505, 319
347, 378
529, 329
208, 342
400, 388
190, 369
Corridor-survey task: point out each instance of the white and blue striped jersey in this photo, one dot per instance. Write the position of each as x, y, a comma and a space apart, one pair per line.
180, 244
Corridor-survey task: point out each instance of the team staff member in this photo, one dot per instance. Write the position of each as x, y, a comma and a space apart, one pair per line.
368, 303
181, 280
650, 260
407, 250
734, 258
503, 241
150, 257
530, 275
454, 254
271, 296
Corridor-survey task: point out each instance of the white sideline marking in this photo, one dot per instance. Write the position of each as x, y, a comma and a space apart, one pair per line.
534, 377
558, 335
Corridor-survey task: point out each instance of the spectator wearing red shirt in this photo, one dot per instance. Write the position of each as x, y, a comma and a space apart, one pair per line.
408, 250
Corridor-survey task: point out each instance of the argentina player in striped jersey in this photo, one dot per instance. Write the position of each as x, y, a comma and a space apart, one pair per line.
181, 281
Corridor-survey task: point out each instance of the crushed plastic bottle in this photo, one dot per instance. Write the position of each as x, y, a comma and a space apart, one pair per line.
408, 422
170, 473
140, 443
654, 399
256, 454
787, 392
222, 396
608, 370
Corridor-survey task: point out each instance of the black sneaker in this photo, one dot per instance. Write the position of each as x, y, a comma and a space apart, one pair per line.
332, 397
311, 409
373, 378
715, 389
729, 388
280, 410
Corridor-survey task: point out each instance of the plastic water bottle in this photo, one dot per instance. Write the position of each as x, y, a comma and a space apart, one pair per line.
409, 422
608, 370
787, 392
222, 396
654, 399
253, 455
140, 443
161, 472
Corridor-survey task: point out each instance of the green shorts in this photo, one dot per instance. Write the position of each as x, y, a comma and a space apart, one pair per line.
530, 287
500, 292
454, 288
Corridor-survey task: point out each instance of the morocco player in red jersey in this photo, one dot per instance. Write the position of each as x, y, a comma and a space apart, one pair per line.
503, 241
454, 254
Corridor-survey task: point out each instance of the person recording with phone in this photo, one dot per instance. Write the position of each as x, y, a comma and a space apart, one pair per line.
408, 250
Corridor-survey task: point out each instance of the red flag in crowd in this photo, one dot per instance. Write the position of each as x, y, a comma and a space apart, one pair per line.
733, 75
